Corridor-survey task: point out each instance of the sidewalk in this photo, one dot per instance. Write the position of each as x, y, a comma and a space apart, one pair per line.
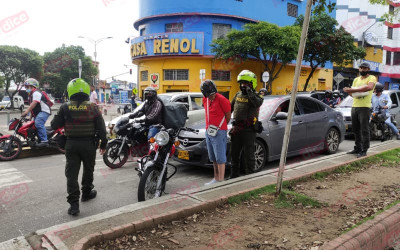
193, 198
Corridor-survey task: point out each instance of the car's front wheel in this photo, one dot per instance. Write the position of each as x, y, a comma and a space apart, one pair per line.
260, 156
332, 140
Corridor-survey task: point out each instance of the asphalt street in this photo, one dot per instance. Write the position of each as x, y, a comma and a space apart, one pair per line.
33, 190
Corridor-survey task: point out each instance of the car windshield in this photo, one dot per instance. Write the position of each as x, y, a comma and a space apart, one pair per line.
347, 102
6, 98
165, 98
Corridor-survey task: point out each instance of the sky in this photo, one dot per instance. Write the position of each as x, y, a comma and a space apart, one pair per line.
44, 25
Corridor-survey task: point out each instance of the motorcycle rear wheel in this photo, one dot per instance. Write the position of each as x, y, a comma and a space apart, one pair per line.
148, 184
110, 157
10, 148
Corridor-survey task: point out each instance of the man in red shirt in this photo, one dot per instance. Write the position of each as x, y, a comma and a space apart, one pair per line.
218, 114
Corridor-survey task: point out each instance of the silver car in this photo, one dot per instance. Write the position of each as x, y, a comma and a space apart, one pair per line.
315, 128
345, 108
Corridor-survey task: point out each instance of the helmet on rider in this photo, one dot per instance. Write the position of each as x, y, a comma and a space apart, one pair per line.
247, 76
263, 91
336, 93
328, 93
31, 82
78, 87
208, 88
379, 87
150, 94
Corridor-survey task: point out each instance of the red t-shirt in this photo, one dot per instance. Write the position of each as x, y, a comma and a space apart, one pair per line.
218, 108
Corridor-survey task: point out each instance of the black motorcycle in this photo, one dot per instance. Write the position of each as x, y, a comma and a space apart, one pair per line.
153, 168
379, 130
131, 139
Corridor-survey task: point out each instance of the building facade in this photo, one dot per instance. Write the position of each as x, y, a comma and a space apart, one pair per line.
173, 50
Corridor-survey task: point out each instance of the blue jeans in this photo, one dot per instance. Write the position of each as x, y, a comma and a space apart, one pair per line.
391, 126
216, 147
40, 121
152, 132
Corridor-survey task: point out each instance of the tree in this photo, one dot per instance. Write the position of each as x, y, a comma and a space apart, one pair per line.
326, 43
61, 66
268, 43
17, 64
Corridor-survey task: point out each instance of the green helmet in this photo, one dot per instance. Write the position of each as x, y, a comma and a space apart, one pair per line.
31, 82
77, 86
248, 76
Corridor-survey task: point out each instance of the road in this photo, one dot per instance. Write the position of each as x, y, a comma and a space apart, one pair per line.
33, 190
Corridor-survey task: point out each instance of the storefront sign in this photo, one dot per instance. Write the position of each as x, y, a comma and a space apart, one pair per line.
155, 80
374, 66
168, 44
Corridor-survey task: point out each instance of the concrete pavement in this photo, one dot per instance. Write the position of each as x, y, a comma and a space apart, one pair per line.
185, 201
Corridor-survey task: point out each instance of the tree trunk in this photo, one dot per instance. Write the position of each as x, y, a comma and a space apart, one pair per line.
308, 78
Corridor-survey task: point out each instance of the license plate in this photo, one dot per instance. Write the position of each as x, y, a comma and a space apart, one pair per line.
183, 154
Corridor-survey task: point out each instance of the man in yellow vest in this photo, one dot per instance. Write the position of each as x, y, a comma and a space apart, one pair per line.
361, 90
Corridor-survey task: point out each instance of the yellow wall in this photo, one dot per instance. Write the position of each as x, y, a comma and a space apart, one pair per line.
377, 57
282, 84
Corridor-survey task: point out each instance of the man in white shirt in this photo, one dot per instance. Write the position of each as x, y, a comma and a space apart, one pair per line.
93, 95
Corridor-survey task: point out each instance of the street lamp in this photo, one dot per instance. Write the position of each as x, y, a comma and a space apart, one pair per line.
363, 34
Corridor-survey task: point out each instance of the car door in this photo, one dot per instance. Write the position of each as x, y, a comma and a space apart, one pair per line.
395, 109
316, 120
277, 131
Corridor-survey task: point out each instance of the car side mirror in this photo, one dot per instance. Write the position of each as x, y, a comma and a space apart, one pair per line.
281, 116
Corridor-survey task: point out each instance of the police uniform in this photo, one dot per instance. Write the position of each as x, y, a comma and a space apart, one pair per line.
243, 135
81, 123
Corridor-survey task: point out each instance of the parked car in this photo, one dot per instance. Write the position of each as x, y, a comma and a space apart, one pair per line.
18, 102
192, 100
315, 127
345, 108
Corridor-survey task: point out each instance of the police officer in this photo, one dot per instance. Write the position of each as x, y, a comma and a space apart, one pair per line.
82, 120
245, 106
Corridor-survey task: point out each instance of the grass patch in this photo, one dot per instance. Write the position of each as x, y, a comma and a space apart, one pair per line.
252, 194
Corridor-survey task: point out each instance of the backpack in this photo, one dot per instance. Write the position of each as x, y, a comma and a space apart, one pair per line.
174, 115
46, 99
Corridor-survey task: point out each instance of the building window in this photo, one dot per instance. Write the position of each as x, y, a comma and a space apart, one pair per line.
391, 10
176, 74
220, 30
220, 75
388, 57
174, 27
144, 75
390, 33
396, 58
143, 32
292, 10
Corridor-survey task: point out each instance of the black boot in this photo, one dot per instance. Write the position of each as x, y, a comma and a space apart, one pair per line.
74, 208
88, 196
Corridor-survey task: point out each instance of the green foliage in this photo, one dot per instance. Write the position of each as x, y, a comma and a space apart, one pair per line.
270, 44
17, 64
61, 66
2, 81
326, 43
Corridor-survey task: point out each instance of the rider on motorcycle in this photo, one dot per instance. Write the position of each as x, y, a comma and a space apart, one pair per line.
263, 92
382, 101
329, 100
152, 109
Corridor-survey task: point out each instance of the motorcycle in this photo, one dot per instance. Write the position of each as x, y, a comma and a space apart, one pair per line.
379, 130
153, 168
11, 145
131, 140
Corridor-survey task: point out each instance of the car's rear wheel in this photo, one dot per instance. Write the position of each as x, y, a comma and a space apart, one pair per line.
332, 140
260, 156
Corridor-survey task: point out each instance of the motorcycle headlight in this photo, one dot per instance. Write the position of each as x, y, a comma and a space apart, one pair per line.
162, 138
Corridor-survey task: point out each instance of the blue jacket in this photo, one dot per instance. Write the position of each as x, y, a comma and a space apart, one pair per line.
381, 101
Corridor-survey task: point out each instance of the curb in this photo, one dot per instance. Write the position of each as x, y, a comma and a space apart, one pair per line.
382, 231
392, 224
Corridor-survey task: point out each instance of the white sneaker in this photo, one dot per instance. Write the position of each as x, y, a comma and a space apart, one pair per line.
211, 182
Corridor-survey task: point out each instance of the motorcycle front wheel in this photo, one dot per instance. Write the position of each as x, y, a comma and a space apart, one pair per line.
111, 157
10, 148
148, 184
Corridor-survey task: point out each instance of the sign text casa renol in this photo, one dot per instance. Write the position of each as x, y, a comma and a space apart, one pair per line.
166, 44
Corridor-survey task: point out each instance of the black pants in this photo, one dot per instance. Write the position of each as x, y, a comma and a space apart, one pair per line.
360, 125
243, 139
77, 151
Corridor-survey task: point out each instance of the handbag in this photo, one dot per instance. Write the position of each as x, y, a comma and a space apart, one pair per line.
212, 129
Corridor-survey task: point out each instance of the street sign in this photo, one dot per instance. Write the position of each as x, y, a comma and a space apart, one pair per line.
202, 74
123, 97
265, 76
338, 78
155, 80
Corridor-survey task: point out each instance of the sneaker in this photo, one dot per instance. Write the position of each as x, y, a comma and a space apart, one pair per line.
44, 144
211, 182
361, 154
88, 196
74, 209
353, 152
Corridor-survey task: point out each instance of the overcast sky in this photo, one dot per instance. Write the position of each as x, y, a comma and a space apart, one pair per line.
44, 25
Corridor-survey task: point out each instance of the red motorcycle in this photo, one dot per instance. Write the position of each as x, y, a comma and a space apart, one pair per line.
25, 135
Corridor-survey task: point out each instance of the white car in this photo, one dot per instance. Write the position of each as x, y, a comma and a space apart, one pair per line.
192, 100
18, 102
